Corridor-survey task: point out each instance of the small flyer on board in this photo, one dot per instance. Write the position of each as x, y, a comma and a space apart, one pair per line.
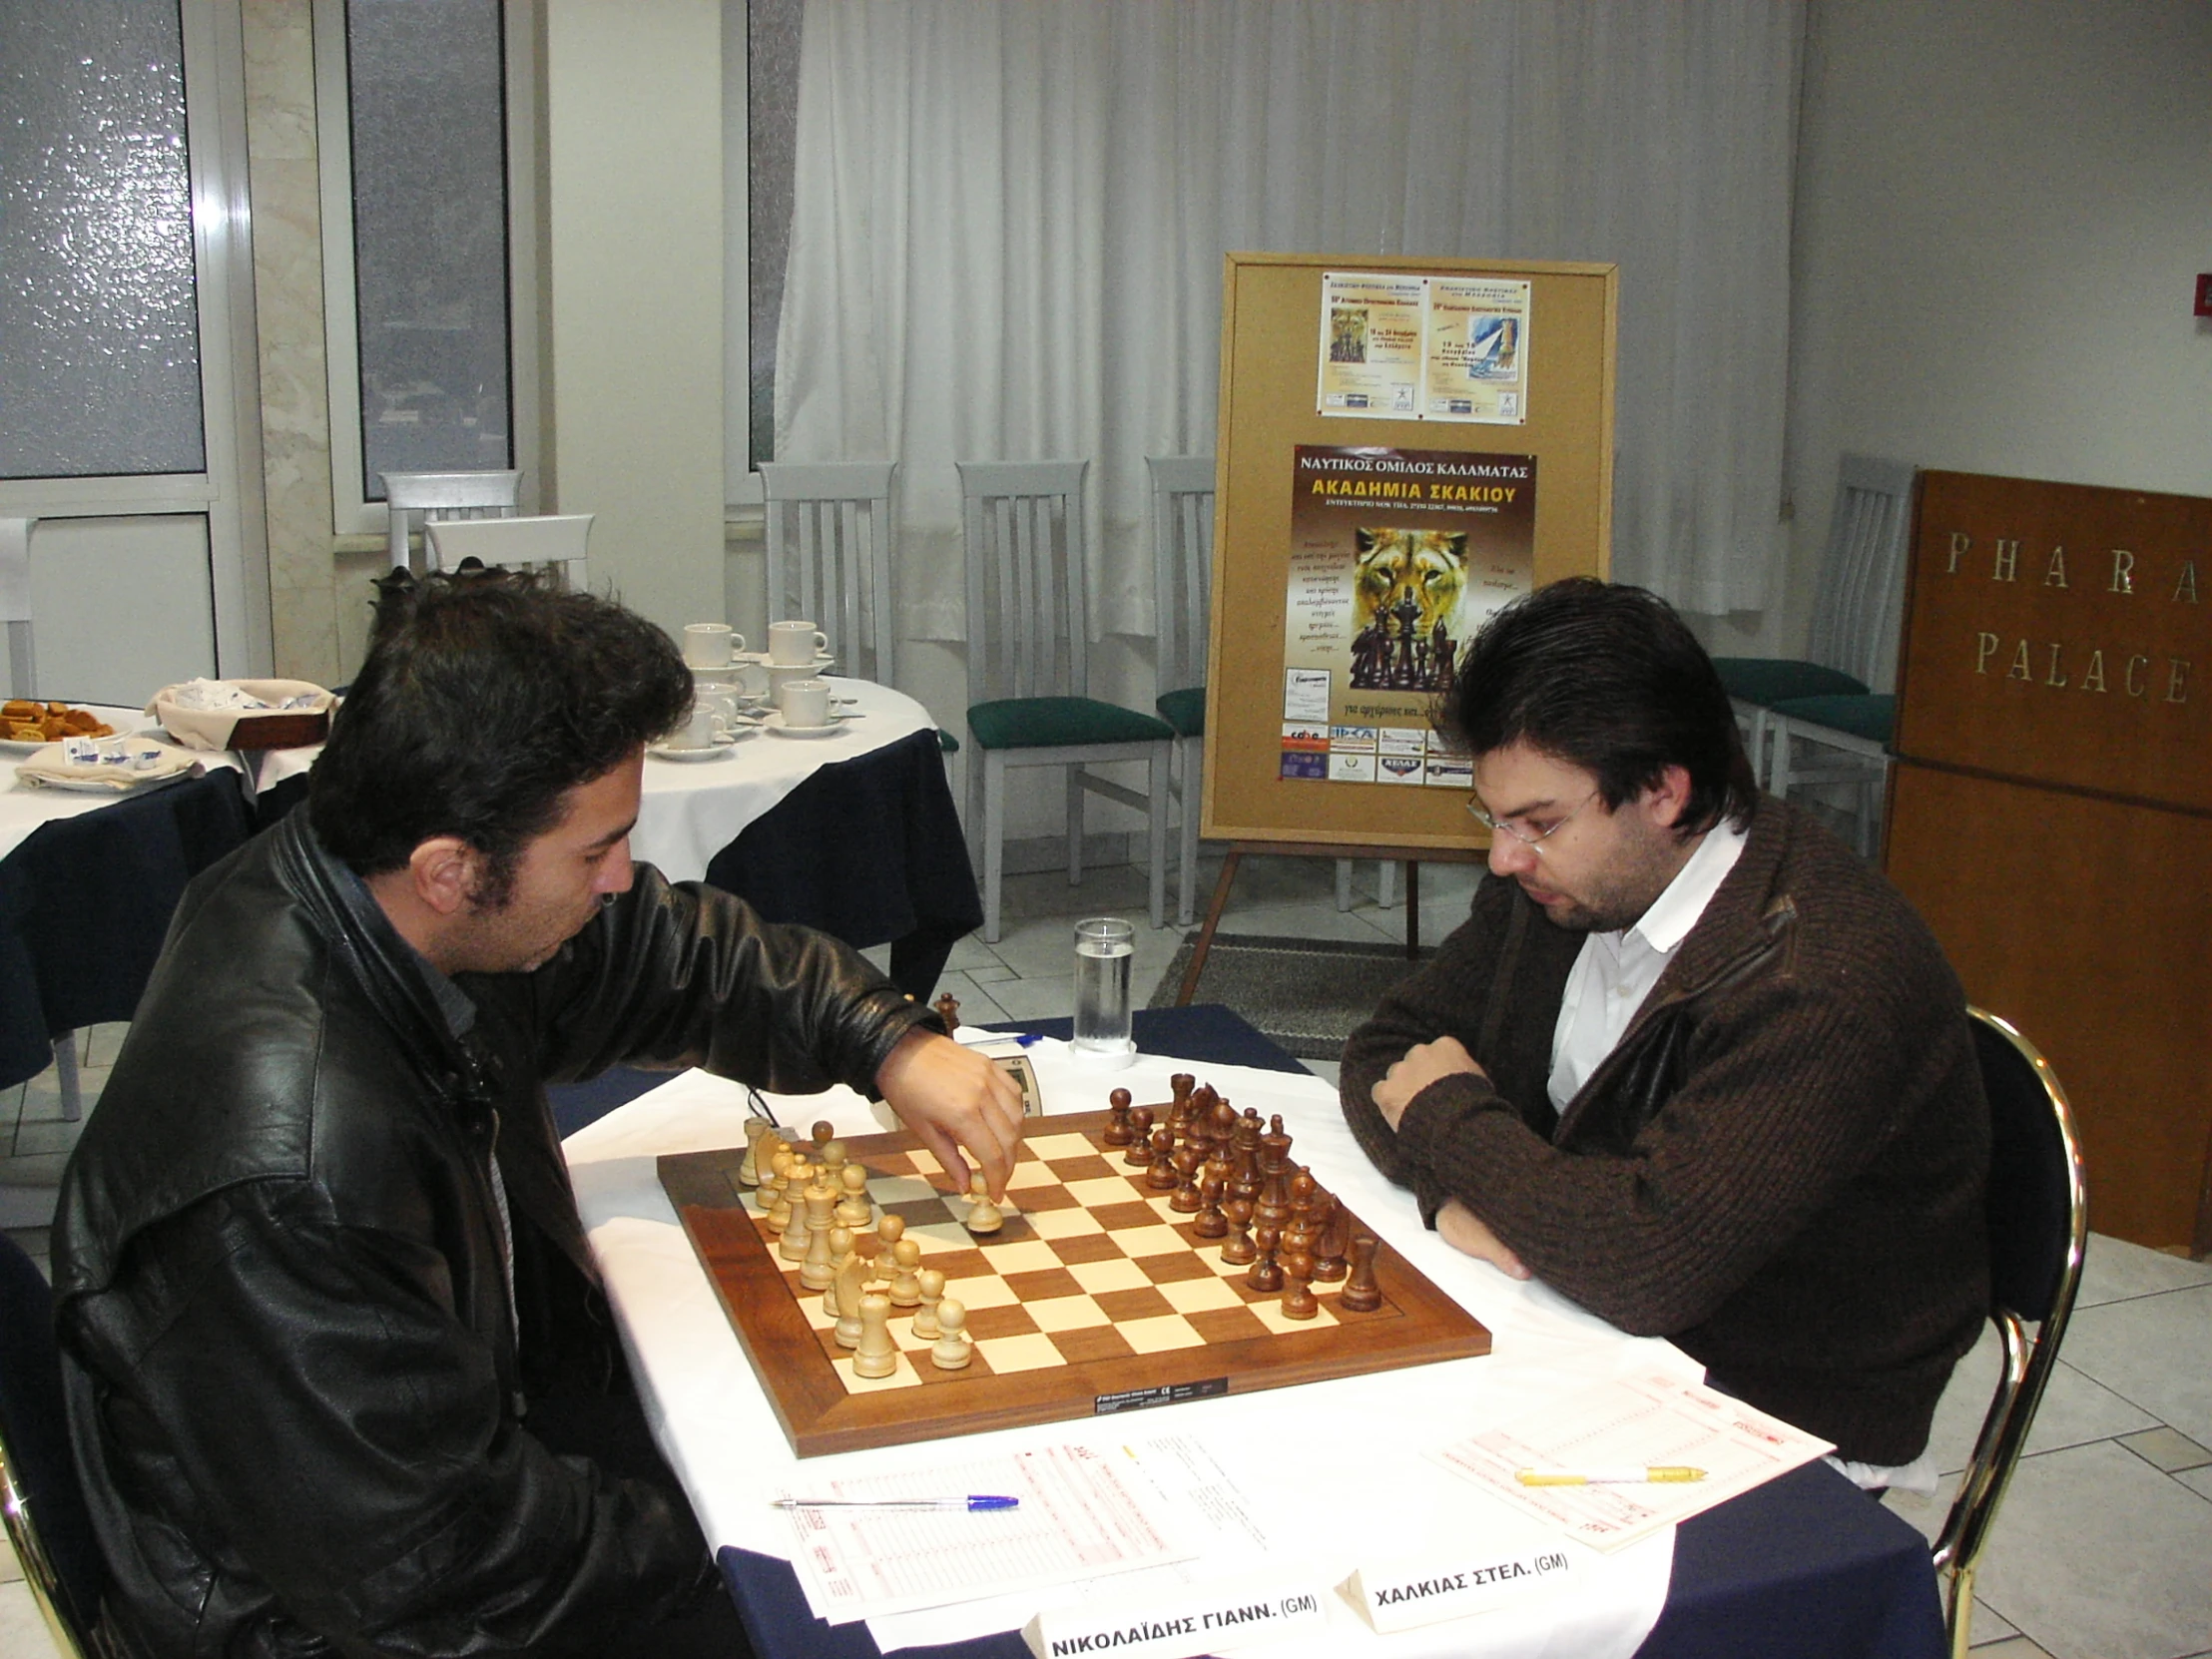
1370, 344
1476, 363
1396, 557
1398, 347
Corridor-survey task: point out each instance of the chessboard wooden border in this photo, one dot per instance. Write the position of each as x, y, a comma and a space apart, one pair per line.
1419, 1325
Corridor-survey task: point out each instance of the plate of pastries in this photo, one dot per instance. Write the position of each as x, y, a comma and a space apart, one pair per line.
26, 725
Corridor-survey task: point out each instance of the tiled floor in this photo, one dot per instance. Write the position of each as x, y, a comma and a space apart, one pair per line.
2103, 1549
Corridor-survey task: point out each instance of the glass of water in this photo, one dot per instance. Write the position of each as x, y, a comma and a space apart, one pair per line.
1105, 950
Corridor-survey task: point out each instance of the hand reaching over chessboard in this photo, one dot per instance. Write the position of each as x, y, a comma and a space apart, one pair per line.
955, 1099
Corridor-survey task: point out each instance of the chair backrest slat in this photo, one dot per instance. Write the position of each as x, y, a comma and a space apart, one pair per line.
1183, 564
1858, 608
409, 497
829, 541
1028, 632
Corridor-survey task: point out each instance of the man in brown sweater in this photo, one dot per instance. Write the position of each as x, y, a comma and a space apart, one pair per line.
1689, 1061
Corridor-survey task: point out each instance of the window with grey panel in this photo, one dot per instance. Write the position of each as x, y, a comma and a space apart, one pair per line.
428, 128
98, 321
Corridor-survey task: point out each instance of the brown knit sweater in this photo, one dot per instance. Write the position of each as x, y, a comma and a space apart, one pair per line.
1781, 1166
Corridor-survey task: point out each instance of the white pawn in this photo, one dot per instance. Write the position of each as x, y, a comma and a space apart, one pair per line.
877, 1355
932, 1284
905, 1288
770, 1172
983, 1216
856, 1209
954, 1347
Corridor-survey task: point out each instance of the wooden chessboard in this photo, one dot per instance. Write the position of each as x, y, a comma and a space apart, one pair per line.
1094, 1298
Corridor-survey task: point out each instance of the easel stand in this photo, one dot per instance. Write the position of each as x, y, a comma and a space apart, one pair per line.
1411, 856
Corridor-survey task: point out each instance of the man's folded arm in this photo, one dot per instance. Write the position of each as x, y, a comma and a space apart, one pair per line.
1761, 1135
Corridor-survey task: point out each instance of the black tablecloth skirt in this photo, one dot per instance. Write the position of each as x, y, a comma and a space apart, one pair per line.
84, 905
869, 849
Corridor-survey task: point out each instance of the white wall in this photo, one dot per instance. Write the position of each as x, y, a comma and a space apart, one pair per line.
2001, 209
633, 229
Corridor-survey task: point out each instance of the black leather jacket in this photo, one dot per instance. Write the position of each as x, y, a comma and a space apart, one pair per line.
289, 1342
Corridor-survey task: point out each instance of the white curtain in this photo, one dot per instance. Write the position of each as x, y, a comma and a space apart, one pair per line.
1011, 216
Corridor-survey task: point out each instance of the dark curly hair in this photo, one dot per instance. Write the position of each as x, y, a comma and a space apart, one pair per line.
482, 702
1609, 679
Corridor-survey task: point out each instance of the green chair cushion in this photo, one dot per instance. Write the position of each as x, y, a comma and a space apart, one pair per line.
1054, 722
1767, 680
1185, 711
1872, 716
947, 744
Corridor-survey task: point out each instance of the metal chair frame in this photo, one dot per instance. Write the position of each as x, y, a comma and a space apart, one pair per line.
2027, 1361
69, 1602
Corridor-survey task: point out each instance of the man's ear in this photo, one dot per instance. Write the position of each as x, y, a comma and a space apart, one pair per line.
1666, 799
443, 871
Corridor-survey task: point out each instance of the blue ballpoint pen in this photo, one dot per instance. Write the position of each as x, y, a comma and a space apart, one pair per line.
1020, 1039
974, 1501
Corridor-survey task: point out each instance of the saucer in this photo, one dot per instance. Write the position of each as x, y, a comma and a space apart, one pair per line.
724, 742
782, 730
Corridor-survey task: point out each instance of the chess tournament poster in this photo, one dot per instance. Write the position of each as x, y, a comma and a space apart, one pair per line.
1396, 557
1370, 344
1475, 366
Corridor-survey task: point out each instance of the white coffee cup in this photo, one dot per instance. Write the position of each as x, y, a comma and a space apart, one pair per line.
806, 703
707, 722
796, 642
780, 675
749, 682
711, 644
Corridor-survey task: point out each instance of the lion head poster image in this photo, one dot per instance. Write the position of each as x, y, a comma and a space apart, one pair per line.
1396, 557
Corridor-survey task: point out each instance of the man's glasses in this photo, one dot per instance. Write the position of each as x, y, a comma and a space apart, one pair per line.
1523, 830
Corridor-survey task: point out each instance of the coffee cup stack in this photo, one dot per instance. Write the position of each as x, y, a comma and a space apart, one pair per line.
795, 644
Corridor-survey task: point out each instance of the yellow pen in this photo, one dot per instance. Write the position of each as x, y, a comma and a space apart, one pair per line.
1637, 1476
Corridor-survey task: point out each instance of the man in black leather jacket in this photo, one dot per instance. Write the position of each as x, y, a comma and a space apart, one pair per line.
324, 1298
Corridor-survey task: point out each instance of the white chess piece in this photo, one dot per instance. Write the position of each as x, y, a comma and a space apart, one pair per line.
876, 1354
930, 1283
954, 1347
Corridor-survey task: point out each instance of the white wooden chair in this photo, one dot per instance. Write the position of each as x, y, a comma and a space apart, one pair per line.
1028, 652
409, 497
830, 557
1858, 613
1183, 579
552, 542
1840, 739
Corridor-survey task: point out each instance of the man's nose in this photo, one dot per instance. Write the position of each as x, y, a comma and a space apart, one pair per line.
617, 872
1509, 855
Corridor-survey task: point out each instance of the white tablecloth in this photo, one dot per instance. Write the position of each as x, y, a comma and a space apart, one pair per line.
691, 809
24, 807
1338, 1464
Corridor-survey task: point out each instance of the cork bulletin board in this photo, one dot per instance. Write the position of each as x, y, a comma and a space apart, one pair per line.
1324, 389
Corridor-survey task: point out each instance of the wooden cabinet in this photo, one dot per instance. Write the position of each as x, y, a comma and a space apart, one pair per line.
2050, 810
